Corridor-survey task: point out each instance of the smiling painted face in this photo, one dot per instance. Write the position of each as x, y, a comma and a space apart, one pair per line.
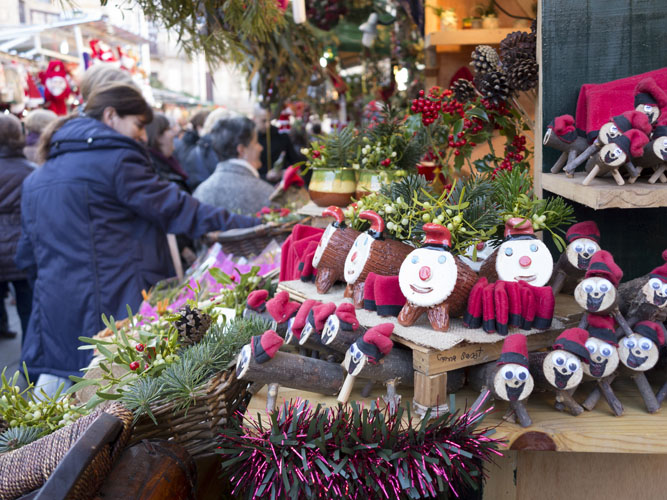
650, 110
638, 353
604, 358
513, 382
524, 260
655, 292
331, 328
660, 147
324, 241
608, 131
427, 276
580, 251
612, 155
355, 360
562, 369
357, 257
595, 294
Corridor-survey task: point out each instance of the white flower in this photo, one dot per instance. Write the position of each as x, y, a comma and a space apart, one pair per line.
356, 165
391, 226
404, 221
305, 151
364, 160
393, 154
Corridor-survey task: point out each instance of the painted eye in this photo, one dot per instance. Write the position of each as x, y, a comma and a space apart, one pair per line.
618, 152
591, 346
578, 248
508, 374
590, 250
648, 109
573, 365
509, 252
664, 289
365, 241
414, 259
588, 288
606, 351
628, 342
559, 360
356, 355
613, 129
645, 344
654, 283
442, 259
533, 247
522, 374
604, 288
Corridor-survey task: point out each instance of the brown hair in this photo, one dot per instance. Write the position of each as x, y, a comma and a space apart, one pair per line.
100, 75
124, 98
197, 121
11, 133
156, 128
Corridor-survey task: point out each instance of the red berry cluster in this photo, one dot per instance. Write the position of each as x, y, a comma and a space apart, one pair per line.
512, 155
386, 162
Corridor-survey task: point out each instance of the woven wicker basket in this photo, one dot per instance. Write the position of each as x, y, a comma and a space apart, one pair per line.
197, 427
28, 468
252, 240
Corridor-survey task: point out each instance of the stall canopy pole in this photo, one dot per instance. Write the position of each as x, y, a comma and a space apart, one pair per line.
79, 46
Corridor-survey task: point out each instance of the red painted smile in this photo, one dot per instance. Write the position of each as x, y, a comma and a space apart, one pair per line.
525, 278
420, 289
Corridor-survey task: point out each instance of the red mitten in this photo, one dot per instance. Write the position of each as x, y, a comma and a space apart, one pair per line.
306, 266
514, 303
527, 306
389, 300
302, 316
488, 312
500, 304
545, 302
257, 300
473, 315
280, 308
265, 347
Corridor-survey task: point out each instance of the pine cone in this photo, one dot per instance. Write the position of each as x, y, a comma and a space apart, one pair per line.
494, 87
518, 45
485, 59
192, 325
464, 90
533, 27
523, 75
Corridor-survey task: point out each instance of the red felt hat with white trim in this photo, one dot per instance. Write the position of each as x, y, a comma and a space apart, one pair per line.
515, 350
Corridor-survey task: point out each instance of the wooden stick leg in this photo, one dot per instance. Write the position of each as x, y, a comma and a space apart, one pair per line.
611, 398
392, 399
344, 394
632, 179
572, 165
358, 294
560, 163
659, 172
271, 396
510, 415
521, 413
438, 316
620, 319
557, 284
594, 396
632, 170
570, 405
409, 314
591, 175
660, 397
645, 390
617, 177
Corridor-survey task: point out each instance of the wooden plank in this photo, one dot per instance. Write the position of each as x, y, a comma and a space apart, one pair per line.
463, 355
468, 37
604, 193
430, 390
501, 483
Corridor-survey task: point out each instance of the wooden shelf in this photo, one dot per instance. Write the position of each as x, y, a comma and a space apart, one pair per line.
604, 193
469, 37
597, 431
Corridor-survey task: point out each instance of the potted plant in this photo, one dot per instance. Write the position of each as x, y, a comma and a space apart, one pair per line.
333, 180
488, 15
389, 150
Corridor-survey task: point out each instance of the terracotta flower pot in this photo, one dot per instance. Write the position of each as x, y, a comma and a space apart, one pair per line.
332, 186
371, 181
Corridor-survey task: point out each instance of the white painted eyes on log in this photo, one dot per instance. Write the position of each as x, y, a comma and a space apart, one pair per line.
442, 259
559, 359
509, 252
591, 346
629, 343
645, 344
533, 247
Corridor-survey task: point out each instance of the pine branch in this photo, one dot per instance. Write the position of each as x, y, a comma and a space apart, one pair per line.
16, 437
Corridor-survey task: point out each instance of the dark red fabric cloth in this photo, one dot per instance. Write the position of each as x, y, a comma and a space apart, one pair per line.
294, 248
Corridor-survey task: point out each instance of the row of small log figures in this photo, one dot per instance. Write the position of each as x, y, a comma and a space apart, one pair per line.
634, 140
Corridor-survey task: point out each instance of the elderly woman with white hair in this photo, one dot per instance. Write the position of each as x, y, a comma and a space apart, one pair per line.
235, 185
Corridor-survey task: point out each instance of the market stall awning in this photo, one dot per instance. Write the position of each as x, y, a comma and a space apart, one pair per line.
172, 97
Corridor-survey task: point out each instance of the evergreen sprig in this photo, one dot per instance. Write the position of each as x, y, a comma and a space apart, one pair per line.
355, 452
15, 437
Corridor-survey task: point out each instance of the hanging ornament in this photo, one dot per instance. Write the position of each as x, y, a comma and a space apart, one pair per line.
102, 52
56, 87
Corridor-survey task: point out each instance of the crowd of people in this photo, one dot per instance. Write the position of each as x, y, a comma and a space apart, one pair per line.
87, 201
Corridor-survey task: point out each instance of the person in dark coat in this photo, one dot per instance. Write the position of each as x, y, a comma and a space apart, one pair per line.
14, 168
280, 143
94, 219
161, 134
185, 144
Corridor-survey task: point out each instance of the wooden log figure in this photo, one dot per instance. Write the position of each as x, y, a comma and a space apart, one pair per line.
602, 348
342, 328
583, 240
312, 331
329, 258
645, 298
434, 281
617, 154
611, 130
650, 99
639, 352
256, 306
562, 135
563, 368
263, 348
288, 370
475, 255
372, 253
508, 379
373, 357
655, 155
520, 257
